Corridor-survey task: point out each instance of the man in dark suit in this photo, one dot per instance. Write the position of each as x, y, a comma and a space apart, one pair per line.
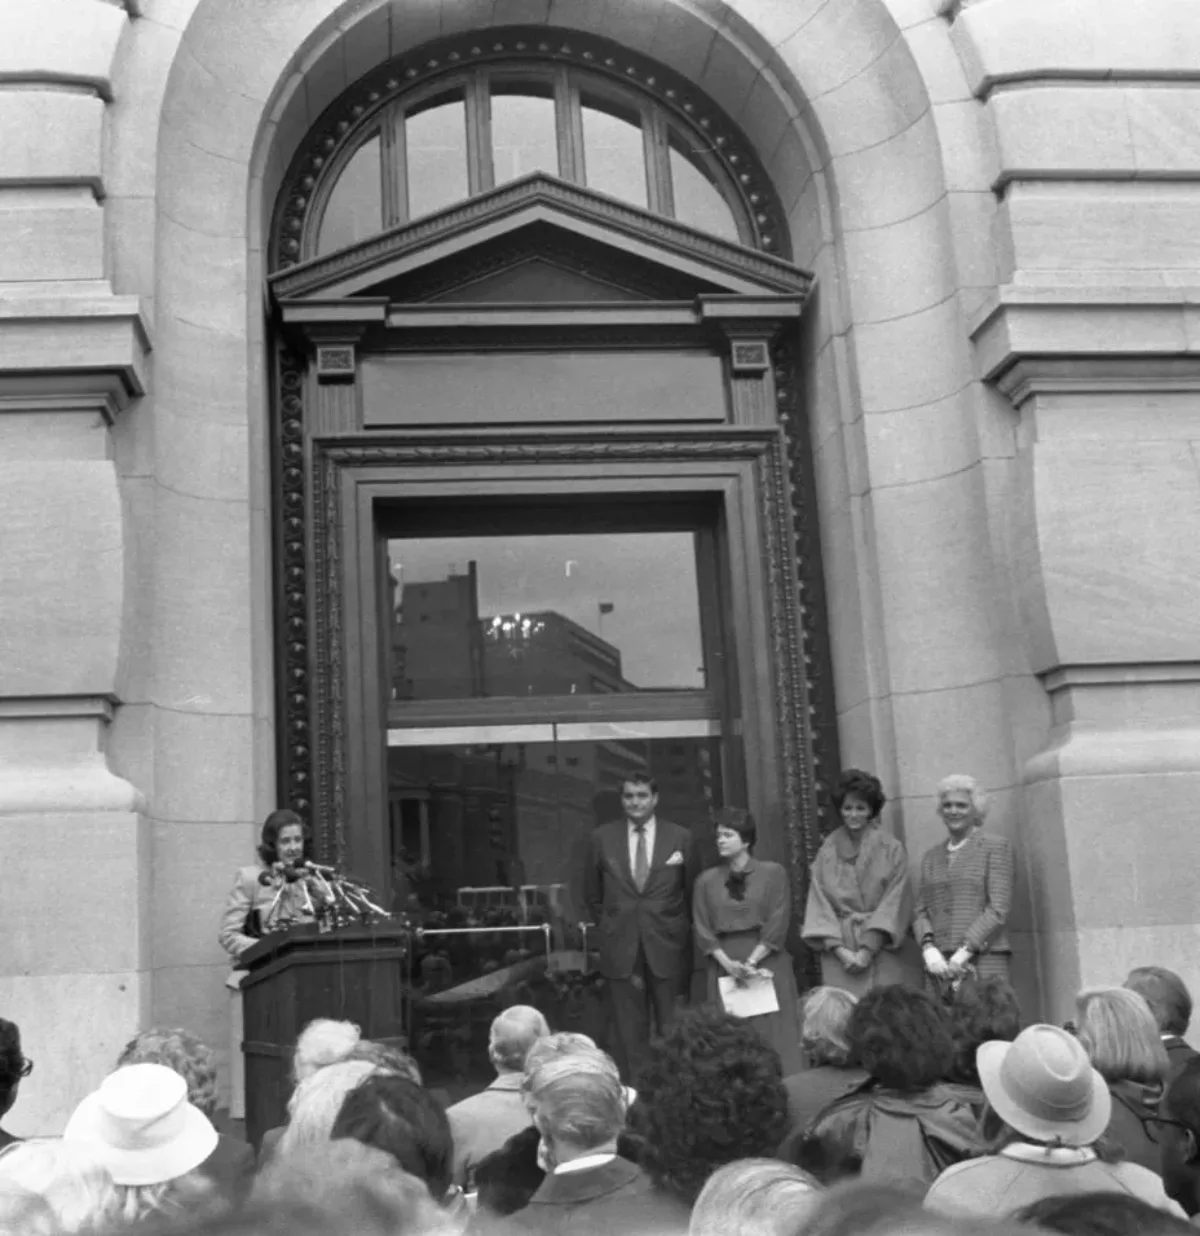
1171, 1003
638, 890
578, 1108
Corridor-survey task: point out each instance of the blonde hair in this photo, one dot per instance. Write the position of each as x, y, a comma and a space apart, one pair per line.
825, 1014
315, 1103
1119, 1034
755, 1197
321, 1043
960, 783
50, 1186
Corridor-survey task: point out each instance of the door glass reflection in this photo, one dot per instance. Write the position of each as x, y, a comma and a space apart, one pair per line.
578, 614
493, 838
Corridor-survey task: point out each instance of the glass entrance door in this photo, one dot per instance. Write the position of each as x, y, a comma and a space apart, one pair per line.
488, 836
536, 659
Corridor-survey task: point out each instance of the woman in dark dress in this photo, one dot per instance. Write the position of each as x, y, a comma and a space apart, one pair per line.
740, 914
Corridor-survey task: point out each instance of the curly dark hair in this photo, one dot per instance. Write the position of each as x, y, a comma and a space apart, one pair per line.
396, 1115
862, 785
12, 1063
273, 825
983, 1010
710, 1091
901, 1036
1099, 1214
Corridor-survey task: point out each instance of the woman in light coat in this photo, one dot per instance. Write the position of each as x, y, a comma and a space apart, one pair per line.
859, 897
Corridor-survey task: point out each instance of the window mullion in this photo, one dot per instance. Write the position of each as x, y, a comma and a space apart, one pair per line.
395, 168
481, 170
568, 114
658, 162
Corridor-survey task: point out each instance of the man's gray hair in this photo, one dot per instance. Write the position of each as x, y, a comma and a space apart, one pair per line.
577, 1099
755, 1197
513, 1033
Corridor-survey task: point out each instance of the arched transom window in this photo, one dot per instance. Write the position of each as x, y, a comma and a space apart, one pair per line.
461, 118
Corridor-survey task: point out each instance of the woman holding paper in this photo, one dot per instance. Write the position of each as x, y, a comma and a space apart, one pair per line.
740, 913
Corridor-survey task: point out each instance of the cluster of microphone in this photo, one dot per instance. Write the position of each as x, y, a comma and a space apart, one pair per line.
290, 873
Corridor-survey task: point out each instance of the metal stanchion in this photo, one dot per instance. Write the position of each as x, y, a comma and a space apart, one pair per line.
544, 928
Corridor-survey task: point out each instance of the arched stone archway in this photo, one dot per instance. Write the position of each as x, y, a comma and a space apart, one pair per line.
840, 115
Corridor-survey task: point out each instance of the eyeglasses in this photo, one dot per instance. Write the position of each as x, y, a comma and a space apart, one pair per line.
1156, 1126
25, 1069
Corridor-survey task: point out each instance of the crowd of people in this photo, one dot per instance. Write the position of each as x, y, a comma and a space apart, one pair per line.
911, 1113
869, 1106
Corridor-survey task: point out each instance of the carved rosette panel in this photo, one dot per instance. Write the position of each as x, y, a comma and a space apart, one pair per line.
292, 586
815, 664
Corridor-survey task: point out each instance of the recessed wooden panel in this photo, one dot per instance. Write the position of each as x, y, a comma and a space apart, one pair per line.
541, 388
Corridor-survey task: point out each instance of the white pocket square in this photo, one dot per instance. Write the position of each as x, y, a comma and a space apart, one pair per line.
675, 860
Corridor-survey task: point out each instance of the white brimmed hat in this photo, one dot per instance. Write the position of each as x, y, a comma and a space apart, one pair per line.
1043, 1085
142, 1127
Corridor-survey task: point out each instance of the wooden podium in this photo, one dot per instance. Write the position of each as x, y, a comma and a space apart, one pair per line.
357, 973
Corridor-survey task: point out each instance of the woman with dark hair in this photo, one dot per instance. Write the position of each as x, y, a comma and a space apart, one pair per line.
859, 898
259, 905
401, 1118
13, 1066
710, 1093
903, 1123
262, 900
740, 914
983, 1011
1102, 1213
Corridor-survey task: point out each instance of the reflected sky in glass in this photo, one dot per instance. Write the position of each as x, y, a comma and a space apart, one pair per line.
645, 583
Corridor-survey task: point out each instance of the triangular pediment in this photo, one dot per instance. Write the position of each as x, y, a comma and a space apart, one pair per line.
540, 239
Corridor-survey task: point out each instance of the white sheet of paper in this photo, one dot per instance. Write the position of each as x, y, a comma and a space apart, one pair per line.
749, 999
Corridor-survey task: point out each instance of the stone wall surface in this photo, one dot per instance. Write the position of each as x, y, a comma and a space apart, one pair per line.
996, 199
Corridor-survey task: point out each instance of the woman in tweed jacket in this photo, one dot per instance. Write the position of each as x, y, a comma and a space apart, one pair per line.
965, 891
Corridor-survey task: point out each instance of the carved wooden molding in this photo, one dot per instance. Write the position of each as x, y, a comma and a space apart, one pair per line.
314, 763
368, 259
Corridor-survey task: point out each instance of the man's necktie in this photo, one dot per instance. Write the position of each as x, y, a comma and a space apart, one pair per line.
641, 860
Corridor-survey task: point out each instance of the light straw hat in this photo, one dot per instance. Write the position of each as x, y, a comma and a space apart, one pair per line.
140, 1125
1043, 1085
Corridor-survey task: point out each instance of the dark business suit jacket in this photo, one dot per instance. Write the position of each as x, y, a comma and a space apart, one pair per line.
615, 1199
1179, 1054
659, 917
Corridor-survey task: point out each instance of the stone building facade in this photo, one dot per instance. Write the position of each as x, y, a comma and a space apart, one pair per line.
1000, 361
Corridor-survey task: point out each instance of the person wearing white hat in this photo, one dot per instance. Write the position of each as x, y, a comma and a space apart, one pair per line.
141, 1127
1046, 1110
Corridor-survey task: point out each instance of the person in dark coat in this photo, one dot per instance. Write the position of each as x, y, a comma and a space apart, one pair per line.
903, 1123
1171, 1003
1121, 1038
578, 1106
13, 1067
230, 1167
741, 909
637, 886
831, 1073
1178, 1133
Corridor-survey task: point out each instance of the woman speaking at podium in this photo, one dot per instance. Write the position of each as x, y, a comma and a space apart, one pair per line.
262, 900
